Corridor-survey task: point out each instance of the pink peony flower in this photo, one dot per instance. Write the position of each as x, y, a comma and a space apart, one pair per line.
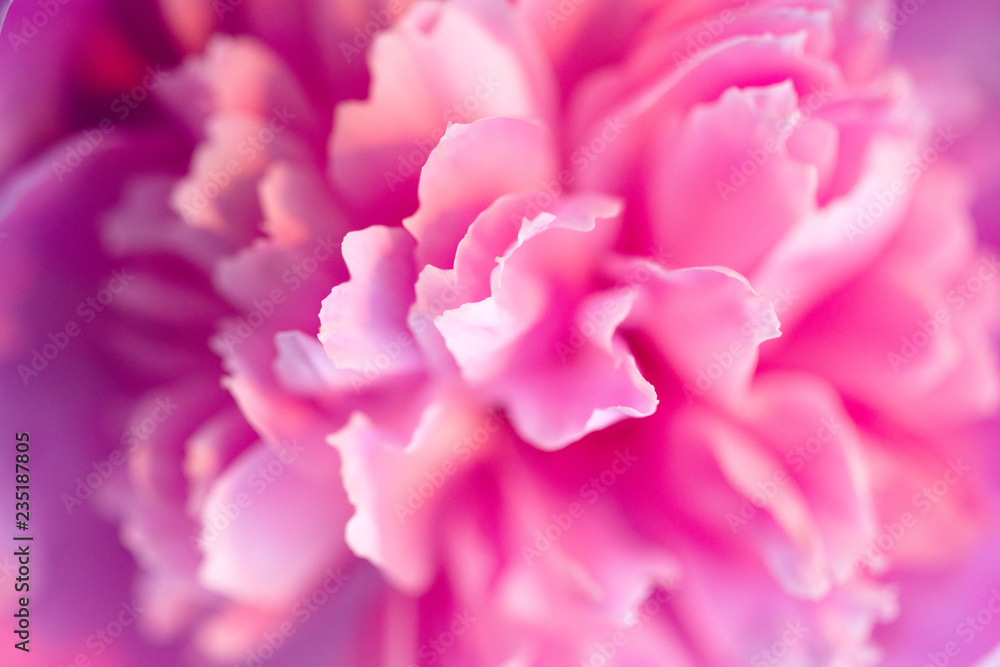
483, 333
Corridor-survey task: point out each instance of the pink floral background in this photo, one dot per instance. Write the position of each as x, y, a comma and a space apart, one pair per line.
516, 334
